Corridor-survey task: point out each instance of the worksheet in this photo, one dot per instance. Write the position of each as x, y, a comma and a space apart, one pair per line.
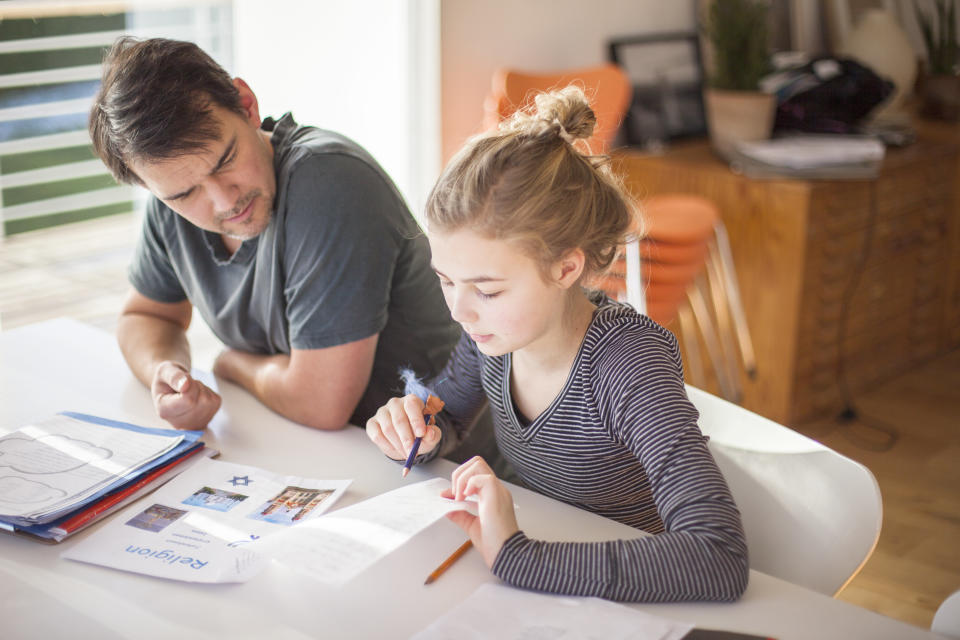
53, 464
335, 548
200, 526
526, 615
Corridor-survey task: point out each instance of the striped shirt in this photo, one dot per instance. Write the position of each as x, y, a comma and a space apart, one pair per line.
621, 440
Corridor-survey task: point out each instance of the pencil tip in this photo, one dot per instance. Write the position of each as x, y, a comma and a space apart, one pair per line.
403, 474
428, 580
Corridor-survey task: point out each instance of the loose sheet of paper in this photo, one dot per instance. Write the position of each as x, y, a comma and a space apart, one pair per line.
57, 462
200, 526
335, 548
525, 615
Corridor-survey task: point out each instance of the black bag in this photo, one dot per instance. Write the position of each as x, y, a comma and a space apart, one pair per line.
828, 95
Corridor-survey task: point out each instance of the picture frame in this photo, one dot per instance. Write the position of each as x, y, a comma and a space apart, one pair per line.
666, 72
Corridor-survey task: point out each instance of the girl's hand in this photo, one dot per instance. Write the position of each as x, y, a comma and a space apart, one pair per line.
497, 520
397, 423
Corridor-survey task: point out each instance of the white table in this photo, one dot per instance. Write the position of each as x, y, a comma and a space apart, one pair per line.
64, 365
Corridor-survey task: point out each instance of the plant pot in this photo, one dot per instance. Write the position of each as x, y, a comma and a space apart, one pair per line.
738, 116
940, 97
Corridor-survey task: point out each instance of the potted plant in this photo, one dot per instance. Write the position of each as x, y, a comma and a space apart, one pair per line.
736, 33
940, 83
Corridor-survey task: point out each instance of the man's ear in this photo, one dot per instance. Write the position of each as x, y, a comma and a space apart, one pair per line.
248, 102
567, 270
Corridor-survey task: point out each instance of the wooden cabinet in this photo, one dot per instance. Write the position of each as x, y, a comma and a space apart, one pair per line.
866, 269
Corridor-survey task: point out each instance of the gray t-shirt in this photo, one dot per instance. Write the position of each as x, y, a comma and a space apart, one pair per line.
341, 260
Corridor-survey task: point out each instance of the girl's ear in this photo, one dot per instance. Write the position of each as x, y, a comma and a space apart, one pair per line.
567, 270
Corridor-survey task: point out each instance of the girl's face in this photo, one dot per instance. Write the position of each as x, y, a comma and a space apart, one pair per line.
495, 291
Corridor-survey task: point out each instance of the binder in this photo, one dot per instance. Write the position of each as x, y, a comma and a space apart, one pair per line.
111, 493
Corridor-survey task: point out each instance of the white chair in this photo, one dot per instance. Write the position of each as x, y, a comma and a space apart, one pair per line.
946, 621
811, 516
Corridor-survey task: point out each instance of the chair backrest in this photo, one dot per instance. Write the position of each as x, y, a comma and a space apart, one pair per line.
606, 86
946, 621
811, 516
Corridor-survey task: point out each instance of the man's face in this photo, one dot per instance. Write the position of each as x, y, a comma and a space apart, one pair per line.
228, 187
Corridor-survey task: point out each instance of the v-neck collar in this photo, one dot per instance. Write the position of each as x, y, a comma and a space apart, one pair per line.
528, 432
222, 257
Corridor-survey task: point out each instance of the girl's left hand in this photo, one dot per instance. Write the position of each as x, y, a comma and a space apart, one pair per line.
496, 520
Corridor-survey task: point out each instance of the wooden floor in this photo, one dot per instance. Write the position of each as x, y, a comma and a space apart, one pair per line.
79, 271
917, 561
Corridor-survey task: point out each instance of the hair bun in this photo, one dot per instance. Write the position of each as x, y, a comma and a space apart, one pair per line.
565, 113
569, 110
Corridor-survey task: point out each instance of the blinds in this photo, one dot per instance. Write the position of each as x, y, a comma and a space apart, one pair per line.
50, 57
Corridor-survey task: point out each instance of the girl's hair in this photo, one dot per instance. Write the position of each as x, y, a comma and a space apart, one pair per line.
526, 182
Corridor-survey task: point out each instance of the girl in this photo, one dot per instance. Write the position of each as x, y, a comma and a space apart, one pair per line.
587, 395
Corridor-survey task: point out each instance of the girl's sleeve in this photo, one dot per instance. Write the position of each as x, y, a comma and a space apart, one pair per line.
460, 387
701, 555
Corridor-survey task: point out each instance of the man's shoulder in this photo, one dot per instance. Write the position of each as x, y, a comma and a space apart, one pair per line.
324, 178
307, 149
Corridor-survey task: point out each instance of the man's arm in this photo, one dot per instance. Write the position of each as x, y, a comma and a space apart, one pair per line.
316, 387
153, 338
151, 332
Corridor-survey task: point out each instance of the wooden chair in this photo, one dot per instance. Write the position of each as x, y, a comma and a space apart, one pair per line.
606, 86
666, 281
812, 516
685, 272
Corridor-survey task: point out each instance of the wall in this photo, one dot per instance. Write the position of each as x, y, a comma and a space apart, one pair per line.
349, 67
531, 35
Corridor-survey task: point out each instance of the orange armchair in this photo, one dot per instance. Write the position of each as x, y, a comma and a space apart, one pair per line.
607, 87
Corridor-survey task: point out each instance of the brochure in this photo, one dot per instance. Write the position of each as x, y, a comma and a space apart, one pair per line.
198, 526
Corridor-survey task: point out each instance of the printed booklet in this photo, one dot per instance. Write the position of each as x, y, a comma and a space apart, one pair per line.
198, 526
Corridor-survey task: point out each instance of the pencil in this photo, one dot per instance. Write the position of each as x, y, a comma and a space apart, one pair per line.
439, 571
413, 454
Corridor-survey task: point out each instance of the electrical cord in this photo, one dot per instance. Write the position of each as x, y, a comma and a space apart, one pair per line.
850, 415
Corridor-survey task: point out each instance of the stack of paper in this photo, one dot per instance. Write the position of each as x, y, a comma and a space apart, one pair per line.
65, 472
810, 156
523, 615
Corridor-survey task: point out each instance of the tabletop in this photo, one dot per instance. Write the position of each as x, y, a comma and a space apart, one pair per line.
63, 365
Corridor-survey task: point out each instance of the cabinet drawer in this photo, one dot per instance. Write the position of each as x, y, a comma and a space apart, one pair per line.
836, 208
916, 186
836, 256
877, 336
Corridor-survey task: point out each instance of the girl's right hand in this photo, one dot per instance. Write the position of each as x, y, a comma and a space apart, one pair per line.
397, 423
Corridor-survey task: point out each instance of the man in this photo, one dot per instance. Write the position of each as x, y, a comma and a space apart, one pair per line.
291, 242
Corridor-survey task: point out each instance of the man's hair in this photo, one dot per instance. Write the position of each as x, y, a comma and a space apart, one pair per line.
155, 102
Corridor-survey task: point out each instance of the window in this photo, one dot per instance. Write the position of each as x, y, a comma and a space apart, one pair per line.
50, 59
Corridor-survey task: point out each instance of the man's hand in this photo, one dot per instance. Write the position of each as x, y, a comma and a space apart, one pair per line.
182, 401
